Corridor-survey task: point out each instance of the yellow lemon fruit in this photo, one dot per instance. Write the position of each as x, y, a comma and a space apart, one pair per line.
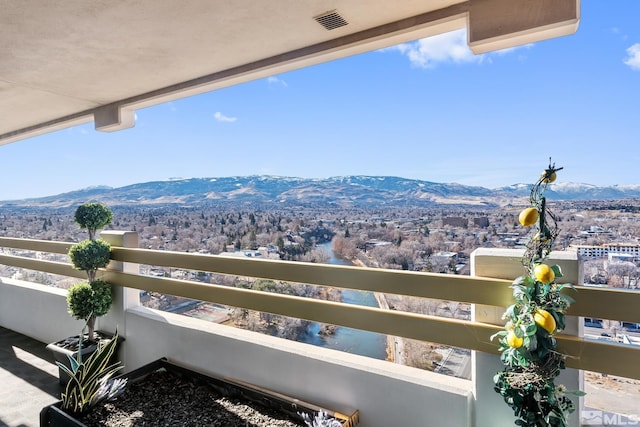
528, 217
545, 320
544, 273
513, 340
548, 178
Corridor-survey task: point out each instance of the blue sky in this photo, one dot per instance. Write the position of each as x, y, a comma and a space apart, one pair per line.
427, 110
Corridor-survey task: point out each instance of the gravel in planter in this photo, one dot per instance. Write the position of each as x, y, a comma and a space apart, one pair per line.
166, 399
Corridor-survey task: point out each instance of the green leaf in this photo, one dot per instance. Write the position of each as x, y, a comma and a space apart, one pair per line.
556, 270
521, 359
567, 299
532, 344
498, 334
519, 281
567, 285
497, 378
65, 369
73, 362
512, 312
560, 319
87, 377
531, 329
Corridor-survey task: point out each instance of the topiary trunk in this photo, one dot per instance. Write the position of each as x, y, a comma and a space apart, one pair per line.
91, 323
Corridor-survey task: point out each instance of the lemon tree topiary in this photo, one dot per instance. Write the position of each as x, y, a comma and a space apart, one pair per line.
90, 300
527, 344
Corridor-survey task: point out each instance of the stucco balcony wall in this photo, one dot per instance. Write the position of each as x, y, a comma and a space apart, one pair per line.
384, 393
35, 310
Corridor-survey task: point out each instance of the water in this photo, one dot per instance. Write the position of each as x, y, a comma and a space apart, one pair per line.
350, 340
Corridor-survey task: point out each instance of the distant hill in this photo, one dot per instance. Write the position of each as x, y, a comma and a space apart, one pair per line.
345, 191
575, 191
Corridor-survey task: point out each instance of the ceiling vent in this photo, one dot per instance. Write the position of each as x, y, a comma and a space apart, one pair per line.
331, 20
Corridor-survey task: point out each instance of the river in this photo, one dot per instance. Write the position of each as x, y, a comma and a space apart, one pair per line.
350, 340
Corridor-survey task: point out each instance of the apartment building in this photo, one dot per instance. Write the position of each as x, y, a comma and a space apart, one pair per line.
608, 250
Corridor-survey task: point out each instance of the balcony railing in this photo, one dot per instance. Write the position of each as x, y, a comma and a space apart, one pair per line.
584, 354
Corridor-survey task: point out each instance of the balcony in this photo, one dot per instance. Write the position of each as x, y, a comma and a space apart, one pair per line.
385, 393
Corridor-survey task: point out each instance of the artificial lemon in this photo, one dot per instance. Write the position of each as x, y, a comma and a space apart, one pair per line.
545, 320
544, 273
513, 340
548, 177
528, 217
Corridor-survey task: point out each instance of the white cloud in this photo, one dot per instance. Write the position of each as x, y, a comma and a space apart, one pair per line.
616, 31
276, 81
445, 48
633, 60
222, 118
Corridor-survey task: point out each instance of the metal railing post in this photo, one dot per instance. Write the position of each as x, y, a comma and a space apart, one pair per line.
123, 298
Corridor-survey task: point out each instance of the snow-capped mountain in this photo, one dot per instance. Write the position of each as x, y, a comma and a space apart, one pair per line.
339, 191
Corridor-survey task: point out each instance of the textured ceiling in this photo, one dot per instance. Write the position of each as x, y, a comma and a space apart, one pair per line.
73, 61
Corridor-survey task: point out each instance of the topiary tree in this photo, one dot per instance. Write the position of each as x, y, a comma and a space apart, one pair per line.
93, 216
90, 255
90, 300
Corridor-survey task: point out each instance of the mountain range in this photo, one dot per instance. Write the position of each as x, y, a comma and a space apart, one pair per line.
345, 191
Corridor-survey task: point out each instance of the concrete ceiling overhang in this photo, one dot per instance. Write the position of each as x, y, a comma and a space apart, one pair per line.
68, 62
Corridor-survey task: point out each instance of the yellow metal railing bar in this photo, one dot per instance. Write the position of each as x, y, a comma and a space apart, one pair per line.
53, 267
583, 354
36, 245
590, 302
616, 304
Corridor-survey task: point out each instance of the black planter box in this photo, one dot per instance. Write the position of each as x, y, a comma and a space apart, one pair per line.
52, 415
60, 353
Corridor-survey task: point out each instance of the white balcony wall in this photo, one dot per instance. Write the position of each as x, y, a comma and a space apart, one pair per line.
37, 311
386, 394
